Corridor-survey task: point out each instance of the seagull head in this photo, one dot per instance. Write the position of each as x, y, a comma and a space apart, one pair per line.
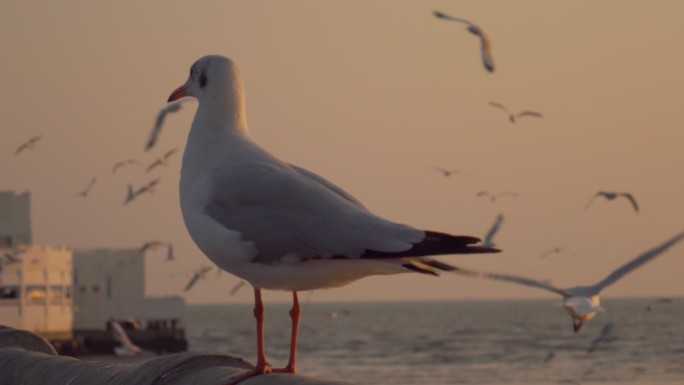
210, 77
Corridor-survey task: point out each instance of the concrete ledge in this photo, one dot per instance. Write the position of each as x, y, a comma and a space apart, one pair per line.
27, 358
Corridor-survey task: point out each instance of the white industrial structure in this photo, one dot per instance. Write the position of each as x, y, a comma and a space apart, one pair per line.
36, 290
110, 283
70, 296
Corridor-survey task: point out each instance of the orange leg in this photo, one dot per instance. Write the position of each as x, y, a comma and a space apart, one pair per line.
295, 314
262, 366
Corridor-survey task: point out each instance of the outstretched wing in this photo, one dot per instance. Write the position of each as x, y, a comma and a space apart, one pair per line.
511, 278
636, 262
592, 200
632, 200
159, 123
444, 16
530, 113
489, 238
499, 105
485, 47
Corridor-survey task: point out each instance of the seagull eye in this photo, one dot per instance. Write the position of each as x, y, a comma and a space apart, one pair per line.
203, 80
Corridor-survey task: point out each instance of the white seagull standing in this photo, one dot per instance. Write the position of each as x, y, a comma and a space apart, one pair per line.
485, 42
276, 225
581, 302
513, 117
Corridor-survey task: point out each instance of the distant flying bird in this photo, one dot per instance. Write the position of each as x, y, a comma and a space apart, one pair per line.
132, 194
154, 135
489, 238
30, 145
609, 195
201, 273
10, 257
555, 250
162, 161
485, 42
581, 302
649, 308
605, 337
237, 287
127, 347
151, 245
86, 191
124, 163
170, 256
493, 197
550, 356
446, 172
514, 117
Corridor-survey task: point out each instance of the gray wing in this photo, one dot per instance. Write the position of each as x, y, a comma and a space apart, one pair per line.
592, 200
329, 185
21, 148
159, 123
530, 113
511, 278
153, 165
637, 262
444, 16
237, 287
288, 211
90, 185
499, 105
192, 282
489, 238
485, 48
632, 200
170, 152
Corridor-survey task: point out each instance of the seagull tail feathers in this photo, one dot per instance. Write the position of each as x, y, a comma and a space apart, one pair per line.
436, 243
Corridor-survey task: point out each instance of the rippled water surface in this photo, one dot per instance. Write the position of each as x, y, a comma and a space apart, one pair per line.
475, 342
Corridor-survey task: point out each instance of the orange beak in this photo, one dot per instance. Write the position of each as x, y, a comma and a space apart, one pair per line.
177, 94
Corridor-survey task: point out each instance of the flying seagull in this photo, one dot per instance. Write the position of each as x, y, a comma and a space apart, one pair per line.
161, 161
493, 197
485, 42
30, 145
446, 172
159, 122
605, 337
279, 226
124, 163
132, 194
489, 238
201, 273
514, 117
554, 250
86, 191
610, 195
581, 302
127, 348
151, 245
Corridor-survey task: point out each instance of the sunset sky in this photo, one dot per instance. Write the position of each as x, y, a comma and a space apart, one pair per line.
371, 95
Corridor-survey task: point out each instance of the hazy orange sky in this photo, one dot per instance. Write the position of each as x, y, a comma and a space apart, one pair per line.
370, 94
